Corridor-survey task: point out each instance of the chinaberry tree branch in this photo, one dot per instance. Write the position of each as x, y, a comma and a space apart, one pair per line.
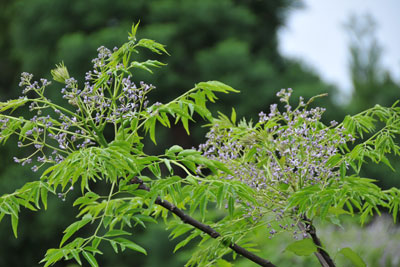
203, 227
321, 254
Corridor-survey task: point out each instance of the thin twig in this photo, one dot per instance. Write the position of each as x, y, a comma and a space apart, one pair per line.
203, 227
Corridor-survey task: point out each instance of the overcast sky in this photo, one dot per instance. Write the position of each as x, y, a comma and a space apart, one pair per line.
316, 35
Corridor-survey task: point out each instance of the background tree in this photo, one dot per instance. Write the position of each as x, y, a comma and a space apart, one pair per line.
366, 68
372, 83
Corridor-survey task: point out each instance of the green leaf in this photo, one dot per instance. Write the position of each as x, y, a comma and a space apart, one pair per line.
221, 166
168, 165
337, 211
216, 86
27, 126
353, 257
251, 153
174, 149
14, 104
342, 170
93, 250
283, 186
43, 195
74, 227
203, 206
52, 256
153, 46
180, 230
76, 256
304, 247
90, 258
14, 224
12, 209
189, 152
88, 198
231, 205
233, 116
116, 232
114, 245
223, 263
130, 244
145, 65
95, 243
185, 123
220, 194
132, 34
152, 129
186, 240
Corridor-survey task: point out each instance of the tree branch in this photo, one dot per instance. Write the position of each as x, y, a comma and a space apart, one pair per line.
203, 227
321, 254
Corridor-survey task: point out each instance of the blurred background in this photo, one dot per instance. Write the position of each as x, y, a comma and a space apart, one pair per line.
348, 50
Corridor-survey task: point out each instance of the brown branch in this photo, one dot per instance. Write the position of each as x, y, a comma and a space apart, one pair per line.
321, 254
203, 227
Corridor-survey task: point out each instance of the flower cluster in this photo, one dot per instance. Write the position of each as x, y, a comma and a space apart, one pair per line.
222, 146
284, 152
108, 96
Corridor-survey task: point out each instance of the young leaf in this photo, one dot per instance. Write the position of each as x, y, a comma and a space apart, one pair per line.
216, 86
233, 116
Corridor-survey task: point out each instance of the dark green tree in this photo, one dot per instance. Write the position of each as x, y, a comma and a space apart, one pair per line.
213, 39
372, 83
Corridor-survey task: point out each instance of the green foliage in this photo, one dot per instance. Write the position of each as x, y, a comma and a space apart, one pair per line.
281, 172
235, 34
215, 40
115, 162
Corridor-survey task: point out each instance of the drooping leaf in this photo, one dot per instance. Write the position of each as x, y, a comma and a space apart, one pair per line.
130, 244
14, 224
90, 258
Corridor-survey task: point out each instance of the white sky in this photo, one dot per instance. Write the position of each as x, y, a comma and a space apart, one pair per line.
316, 35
